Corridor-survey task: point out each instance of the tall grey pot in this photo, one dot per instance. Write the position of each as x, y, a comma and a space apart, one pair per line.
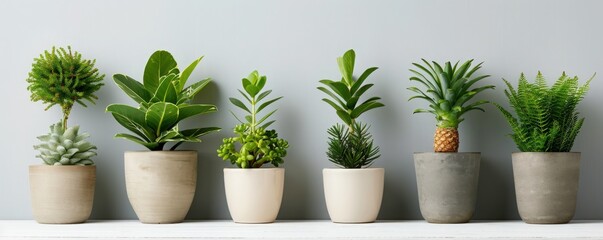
546, 185
447, 185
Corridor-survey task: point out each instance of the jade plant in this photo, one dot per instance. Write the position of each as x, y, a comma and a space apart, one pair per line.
448, 89
163, 101
62, 77
546, 119
256, 145
350, 145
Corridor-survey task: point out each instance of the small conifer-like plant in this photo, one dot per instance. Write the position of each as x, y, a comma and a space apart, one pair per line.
62, 77
546, 119
350, 145
163, 101
256, 145
448, 90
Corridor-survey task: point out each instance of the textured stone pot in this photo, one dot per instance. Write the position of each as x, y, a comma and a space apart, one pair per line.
353, 195
447, 185
61, 194
546, 185
161, 184
254, 195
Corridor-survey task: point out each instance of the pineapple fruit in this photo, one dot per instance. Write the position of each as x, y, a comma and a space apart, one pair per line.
447, 88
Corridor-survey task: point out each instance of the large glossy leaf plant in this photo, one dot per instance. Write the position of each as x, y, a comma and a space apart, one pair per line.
163, 101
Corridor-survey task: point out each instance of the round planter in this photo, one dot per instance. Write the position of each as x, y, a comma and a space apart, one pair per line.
161, 184
546, 185
447, 185
61, 194
254, 195
353, 195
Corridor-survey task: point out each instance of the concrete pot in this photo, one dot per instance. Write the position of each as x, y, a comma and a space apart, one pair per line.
353, 195
61, 194
447, 185
161, 184
546, 185
254, 195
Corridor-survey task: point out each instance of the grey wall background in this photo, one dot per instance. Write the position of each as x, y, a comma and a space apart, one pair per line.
295, 43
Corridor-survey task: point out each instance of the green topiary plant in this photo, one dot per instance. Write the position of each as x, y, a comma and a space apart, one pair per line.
65, 146
350, 146
258, 146
61, 77
547, 120
163, 101
448, 89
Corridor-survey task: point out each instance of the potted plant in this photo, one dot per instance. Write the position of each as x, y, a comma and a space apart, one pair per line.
354, 191
161, 183
62, 190
447, 179
544, 127
254, 194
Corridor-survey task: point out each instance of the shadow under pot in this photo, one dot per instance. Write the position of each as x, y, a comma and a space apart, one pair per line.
546, 185
353, 195
61, 194
254, 195
447, 185
161, 184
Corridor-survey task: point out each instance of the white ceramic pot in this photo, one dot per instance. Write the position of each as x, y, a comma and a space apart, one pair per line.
61, 194
254, 195
353, 195
161, 184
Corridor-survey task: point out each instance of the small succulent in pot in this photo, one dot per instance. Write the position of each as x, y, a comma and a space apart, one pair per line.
62, 77
448, 89
163, 101
350, 145
256, 145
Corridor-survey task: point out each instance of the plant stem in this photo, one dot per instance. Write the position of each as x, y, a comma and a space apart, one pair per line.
253, 114
66, 111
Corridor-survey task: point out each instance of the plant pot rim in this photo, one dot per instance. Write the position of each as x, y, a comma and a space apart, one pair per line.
447, 153
60, 166
547, 152
254, 169
149, 151
353, 169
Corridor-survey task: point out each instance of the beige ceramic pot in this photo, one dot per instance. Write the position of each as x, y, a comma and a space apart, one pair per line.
353, 195
254, 195
61, 194
161, 184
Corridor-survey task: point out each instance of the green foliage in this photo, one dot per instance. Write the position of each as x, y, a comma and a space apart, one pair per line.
448, 89
258, 146
65, 147
351, 147
547, 120
345, 94
61, 77
163, 101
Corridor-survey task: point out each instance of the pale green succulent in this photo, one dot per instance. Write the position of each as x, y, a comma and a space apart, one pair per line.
65, 147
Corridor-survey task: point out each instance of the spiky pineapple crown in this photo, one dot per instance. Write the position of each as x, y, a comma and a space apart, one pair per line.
65, 147
448, 89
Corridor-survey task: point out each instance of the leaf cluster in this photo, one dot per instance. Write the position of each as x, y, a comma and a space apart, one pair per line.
65, 146
546, 118
447, 88
346, 93
62, 77
351, 147
163, 101
257, 146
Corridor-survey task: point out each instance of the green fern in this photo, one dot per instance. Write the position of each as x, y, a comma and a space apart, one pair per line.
546, 117
351, 147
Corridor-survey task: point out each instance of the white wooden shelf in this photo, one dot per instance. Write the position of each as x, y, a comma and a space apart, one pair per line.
319, 229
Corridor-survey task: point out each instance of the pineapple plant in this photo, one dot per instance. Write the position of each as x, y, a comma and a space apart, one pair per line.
448, 89
65, 146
